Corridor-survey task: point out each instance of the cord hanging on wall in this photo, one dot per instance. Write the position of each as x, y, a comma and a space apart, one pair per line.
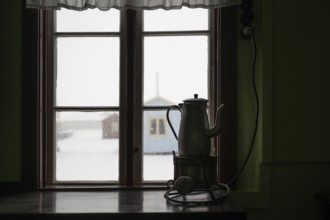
246, 18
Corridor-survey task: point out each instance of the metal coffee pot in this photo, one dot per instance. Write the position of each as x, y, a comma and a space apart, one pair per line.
195, 134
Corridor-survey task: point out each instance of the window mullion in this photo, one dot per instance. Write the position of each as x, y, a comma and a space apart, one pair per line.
124, 122
138, 92
130, 140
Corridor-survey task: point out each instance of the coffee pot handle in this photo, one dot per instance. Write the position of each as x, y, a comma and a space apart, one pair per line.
168, 118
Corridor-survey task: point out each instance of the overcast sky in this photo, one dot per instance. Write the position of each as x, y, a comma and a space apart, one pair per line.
88, 68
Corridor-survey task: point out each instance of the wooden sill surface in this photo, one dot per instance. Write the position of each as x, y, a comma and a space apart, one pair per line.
117, 204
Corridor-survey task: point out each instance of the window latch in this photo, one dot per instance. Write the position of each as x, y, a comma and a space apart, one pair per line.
137, 152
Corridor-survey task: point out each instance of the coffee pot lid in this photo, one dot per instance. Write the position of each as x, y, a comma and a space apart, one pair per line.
195, 99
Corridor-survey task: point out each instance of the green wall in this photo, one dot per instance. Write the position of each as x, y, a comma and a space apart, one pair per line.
10, 90
301, 76
291, 159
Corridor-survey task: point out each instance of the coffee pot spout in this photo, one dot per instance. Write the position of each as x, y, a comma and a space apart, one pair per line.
215, 130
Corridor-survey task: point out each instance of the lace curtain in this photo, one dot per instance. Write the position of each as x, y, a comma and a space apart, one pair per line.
134, 4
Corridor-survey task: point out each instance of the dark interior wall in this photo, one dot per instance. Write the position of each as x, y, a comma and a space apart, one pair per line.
300, 74
10, 90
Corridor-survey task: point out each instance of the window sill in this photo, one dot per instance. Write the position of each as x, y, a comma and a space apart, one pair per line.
100, 187
119, 204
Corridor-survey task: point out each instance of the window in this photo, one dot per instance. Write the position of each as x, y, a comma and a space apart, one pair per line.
107, 79
157, 126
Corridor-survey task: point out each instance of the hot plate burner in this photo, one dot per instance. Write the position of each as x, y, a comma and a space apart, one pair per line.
195, 181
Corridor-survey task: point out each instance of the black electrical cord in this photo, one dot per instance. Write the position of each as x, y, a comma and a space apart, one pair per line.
249, 31
173, 196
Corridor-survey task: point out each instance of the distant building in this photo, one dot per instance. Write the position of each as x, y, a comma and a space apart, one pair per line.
158, 137
110, 126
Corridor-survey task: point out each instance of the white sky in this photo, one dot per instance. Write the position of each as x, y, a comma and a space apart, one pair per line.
88, 68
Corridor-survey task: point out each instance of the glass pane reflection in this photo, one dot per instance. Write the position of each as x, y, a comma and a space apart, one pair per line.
87, 21
87, 71
175, 68
184, 19
87, 146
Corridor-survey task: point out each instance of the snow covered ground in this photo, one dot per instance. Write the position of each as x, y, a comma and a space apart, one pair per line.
87, 156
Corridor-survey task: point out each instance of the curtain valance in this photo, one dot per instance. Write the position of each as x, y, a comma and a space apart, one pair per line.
134, 4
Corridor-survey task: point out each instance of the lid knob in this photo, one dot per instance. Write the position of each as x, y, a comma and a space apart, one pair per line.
195, 96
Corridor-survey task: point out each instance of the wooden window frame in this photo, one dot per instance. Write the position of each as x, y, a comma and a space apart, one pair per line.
223, 57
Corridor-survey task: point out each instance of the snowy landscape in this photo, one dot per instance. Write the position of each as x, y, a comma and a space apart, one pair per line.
87, 156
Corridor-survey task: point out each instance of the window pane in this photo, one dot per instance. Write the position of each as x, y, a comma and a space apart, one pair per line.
157, 148
87, 21
87, 71
87, 146
153, 126
176, 20
161, 127
175, 68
